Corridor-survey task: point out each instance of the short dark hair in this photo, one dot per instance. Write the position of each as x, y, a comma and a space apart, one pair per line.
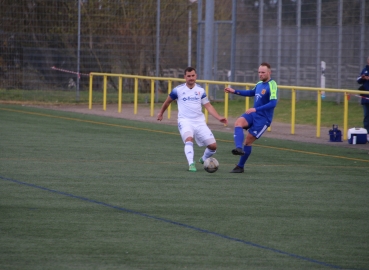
265, 64
189, 69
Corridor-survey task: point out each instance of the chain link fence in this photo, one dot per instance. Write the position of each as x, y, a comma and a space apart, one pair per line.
119, 36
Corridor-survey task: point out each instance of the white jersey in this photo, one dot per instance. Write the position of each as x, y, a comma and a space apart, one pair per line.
190, 102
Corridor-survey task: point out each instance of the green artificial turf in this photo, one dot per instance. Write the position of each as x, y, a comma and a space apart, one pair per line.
87, 192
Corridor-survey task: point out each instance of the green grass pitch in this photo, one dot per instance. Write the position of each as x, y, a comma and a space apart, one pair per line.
87, 192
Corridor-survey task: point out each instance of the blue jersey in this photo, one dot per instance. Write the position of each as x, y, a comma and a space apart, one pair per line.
265, 98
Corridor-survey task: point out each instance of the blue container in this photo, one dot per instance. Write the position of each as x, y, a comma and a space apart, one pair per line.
356, 136
335, 135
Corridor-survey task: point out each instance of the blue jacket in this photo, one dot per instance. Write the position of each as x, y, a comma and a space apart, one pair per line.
365, 83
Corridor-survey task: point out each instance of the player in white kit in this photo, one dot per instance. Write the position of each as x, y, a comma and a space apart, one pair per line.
191, 120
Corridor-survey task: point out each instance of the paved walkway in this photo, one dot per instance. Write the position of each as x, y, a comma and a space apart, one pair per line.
303, 133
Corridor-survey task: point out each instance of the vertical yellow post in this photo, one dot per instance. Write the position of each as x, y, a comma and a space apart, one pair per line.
152, 97
207, 93
90, 94
120, 94
169, 90
247, 101
135, 99
318, 113
345, 115
105, 91
293, 110
226, 103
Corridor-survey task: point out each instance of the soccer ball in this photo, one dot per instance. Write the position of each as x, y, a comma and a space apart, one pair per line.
211, 165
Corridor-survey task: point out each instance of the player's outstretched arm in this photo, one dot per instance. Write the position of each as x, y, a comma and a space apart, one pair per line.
245, 93
229, 90
215, 114
164, 107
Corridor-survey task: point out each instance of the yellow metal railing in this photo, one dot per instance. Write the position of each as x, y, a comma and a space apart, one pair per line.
293, 89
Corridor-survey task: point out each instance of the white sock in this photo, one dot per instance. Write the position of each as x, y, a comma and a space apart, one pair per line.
208, 153
188, 149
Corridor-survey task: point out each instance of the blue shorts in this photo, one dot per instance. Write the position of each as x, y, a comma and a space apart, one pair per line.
257, 125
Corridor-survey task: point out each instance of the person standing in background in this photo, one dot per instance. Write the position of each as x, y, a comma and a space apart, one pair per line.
363, 79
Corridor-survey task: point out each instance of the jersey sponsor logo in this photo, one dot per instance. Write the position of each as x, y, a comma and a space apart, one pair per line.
263, 91
190, 98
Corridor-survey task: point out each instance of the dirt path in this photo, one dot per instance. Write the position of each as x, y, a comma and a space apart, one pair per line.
303, 133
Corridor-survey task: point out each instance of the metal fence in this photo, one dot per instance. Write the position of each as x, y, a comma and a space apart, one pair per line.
120, 36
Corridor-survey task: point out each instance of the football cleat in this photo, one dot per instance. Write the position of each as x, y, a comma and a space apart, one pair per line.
237, 169
192, 167
238, 152
201, 160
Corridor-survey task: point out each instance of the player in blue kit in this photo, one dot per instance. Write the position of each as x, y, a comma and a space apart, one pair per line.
257, 119
191, 120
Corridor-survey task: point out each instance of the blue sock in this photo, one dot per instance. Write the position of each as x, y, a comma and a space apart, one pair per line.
243, 158
238, 137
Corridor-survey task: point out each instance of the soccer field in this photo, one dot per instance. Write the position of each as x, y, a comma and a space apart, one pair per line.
90, 192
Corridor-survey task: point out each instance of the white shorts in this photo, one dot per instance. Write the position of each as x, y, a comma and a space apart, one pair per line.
198, 130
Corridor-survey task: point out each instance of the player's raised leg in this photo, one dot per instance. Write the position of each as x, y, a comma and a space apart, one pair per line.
241, 163
247, 148
239, 136
210, 150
